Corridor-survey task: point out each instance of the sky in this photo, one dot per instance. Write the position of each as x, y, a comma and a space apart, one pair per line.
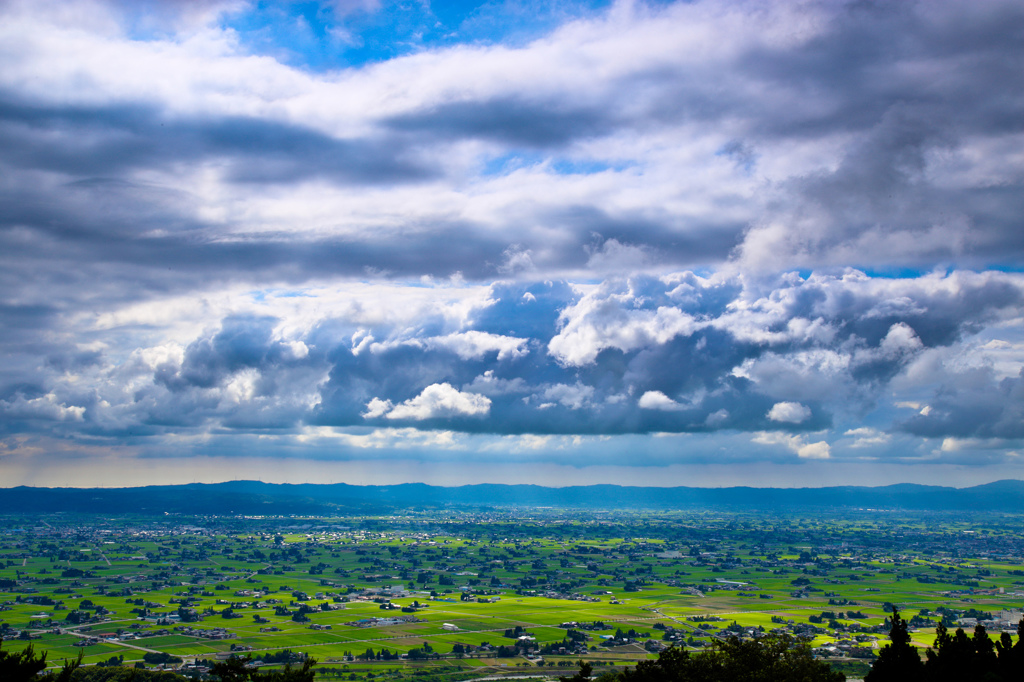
702, 243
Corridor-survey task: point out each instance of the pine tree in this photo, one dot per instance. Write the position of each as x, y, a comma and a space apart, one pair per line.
24, 665
1010, 654
898, 661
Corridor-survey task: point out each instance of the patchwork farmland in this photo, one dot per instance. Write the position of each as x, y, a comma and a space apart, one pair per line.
487, 593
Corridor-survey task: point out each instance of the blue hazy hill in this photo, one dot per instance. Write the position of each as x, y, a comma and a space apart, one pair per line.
255, 497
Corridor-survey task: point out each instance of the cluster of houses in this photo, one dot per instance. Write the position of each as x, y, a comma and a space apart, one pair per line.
120, 635
1004, 621
214, 633
87, 641
380, 622
573, 596
844, 648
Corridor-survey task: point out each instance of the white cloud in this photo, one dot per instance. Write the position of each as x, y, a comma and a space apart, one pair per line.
574, 397
473, 345
818, 450
816, 374
614, 256
517, 259
900, 341
242, 386
602, 320
796, 443
490, 385
299, 350
790, 413
441, 400
656, 400
866, 437
717, 418
406, 438
377, 408
469, 345
633, 142
47, 407
969, 444
681, 173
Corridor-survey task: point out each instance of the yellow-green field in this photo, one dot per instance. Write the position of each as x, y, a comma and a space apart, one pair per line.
131, 586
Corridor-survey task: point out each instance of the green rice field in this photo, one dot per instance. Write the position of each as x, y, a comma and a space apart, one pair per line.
490, 591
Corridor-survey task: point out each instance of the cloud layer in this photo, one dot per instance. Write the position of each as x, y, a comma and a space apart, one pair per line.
785, 231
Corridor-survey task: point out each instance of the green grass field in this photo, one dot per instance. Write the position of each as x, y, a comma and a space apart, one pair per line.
128, 587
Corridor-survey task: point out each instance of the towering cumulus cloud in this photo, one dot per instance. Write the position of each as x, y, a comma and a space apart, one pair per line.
642, 242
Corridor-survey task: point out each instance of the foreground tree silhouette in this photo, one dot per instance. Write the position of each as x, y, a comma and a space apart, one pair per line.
239, 670
898, 660
951, 659
582, 675
959, 657
26, 665
773, 658
1010, 654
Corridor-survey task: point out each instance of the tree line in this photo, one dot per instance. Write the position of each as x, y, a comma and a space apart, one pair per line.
771, 658
955, 656
782, 658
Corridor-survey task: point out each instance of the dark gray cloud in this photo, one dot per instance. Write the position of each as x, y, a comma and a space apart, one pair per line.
913, 85
942, 60
899, 87
552, 360
517, 122
87, 249
664, 239
103, 141
767, 140
974, 405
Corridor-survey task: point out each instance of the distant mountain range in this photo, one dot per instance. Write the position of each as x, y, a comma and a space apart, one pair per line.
256, 498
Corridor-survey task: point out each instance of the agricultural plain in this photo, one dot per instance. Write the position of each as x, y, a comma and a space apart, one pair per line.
492, 592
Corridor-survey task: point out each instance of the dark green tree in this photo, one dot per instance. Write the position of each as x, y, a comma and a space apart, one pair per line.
959, 657
160, 658
773, 658
673, 663
985, 660
899, 660
1010, 654
952, 656
27, 665
582, 675
239, 670
123, 674
24, 665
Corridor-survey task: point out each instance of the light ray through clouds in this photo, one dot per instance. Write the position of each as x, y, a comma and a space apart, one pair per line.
702, 243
